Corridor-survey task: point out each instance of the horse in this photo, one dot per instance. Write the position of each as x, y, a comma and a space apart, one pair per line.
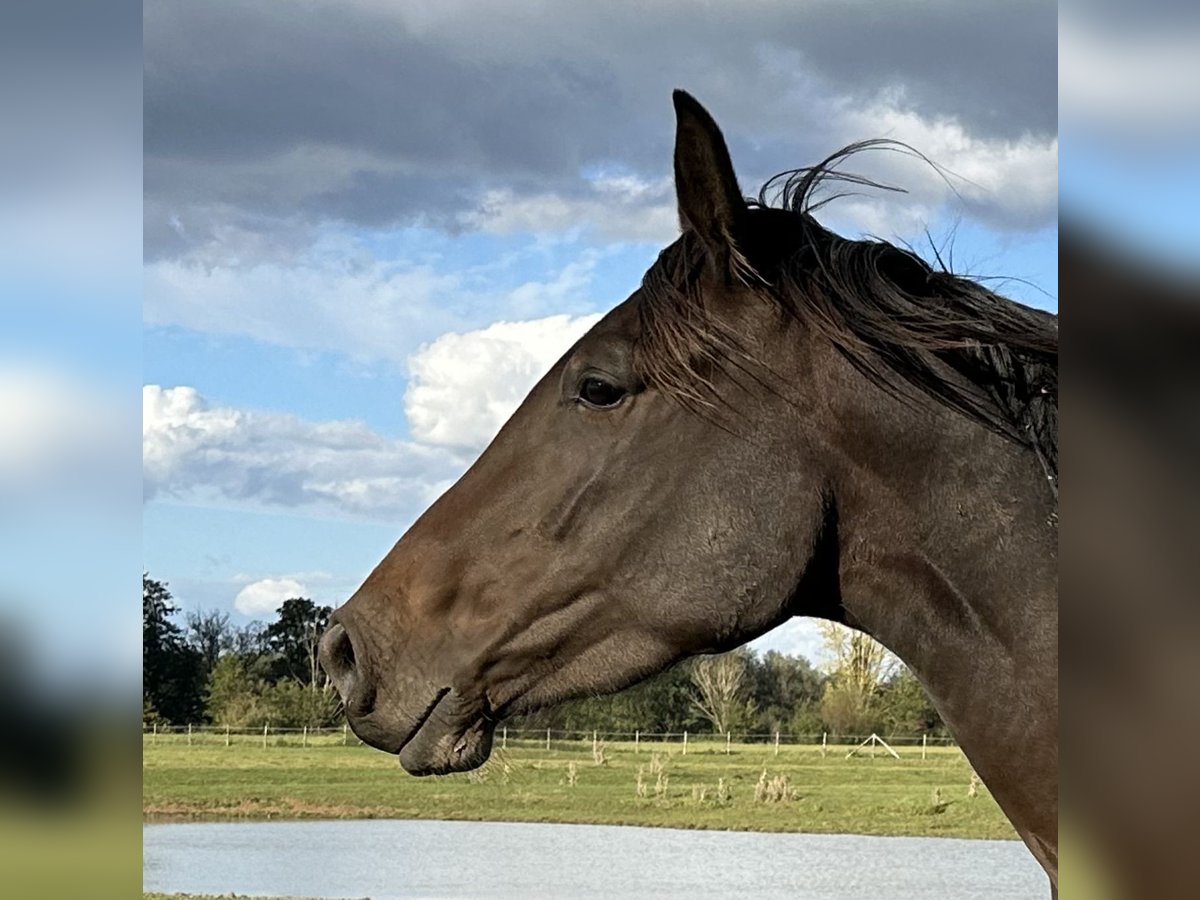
779, 422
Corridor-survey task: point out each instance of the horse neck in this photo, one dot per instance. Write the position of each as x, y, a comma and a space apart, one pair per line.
947, 542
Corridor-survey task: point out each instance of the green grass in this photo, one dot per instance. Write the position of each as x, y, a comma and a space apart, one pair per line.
527, 783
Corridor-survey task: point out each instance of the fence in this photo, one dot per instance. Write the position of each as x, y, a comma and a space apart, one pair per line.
551, 740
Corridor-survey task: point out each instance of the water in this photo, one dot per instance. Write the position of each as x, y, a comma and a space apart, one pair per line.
384, 859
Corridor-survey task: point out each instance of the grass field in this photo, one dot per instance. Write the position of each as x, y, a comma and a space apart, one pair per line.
704, 788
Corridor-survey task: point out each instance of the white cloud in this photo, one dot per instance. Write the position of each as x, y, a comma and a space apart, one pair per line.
342, 297
200, 453
263, 597
1007, 183
63, 437
465, 386
799, 636
364, 308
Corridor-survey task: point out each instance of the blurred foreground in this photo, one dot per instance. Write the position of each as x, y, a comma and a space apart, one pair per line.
1130, 301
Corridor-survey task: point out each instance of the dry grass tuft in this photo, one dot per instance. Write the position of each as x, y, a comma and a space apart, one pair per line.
661, 786
776, 789
724, 794
656, 764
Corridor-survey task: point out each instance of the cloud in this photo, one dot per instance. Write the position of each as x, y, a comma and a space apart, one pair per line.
362, 307
615, 207
195, 452
65, 439
465, 386
1126, 75
799, 636
377, 114
351, 295
344, 296
265, 596
1003, 182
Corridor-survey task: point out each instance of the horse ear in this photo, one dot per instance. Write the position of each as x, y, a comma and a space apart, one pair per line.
710, 202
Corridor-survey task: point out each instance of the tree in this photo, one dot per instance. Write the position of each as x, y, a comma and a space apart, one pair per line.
858, 668
209, 634
807, 721
234, 696
660, 704
720, 689
777, 692
172, 671
249, 644
907, 709
293, 639
846, 710
779, 686
290, 704
856, 657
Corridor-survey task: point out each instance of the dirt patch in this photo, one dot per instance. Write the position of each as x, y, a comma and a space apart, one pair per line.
259, 809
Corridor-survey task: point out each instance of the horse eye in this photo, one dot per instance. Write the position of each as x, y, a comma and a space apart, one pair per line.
599, 393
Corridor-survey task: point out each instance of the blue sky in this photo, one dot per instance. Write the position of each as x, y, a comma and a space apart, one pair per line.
330, 246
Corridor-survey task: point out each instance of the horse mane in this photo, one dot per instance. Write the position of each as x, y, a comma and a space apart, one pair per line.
904, 324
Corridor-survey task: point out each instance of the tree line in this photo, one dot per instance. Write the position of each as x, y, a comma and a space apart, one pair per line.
199, 668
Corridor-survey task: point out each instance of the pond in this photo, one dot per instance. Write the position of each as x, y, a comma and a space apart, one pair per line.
384, 859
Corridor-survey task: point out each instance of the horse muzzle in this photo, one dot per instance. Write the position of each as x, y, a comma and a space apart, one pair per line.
434, 730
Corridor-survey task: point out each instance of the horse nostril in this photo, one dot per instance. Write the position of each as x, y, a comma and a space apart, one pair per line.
337, 658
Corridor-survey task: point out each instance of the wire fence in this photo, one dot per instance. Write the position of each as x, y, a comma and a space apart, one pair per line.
551, 740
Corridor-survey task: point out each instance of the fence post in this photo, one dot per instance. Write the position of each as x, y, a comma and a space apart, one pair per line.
594, 744
226, 735
824, 735
776, 741
728, 741
304, 737
345, 733
685, 743
504, 738
923, 746
637, 739
155, 738
189, 734
265, 727
547, 740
